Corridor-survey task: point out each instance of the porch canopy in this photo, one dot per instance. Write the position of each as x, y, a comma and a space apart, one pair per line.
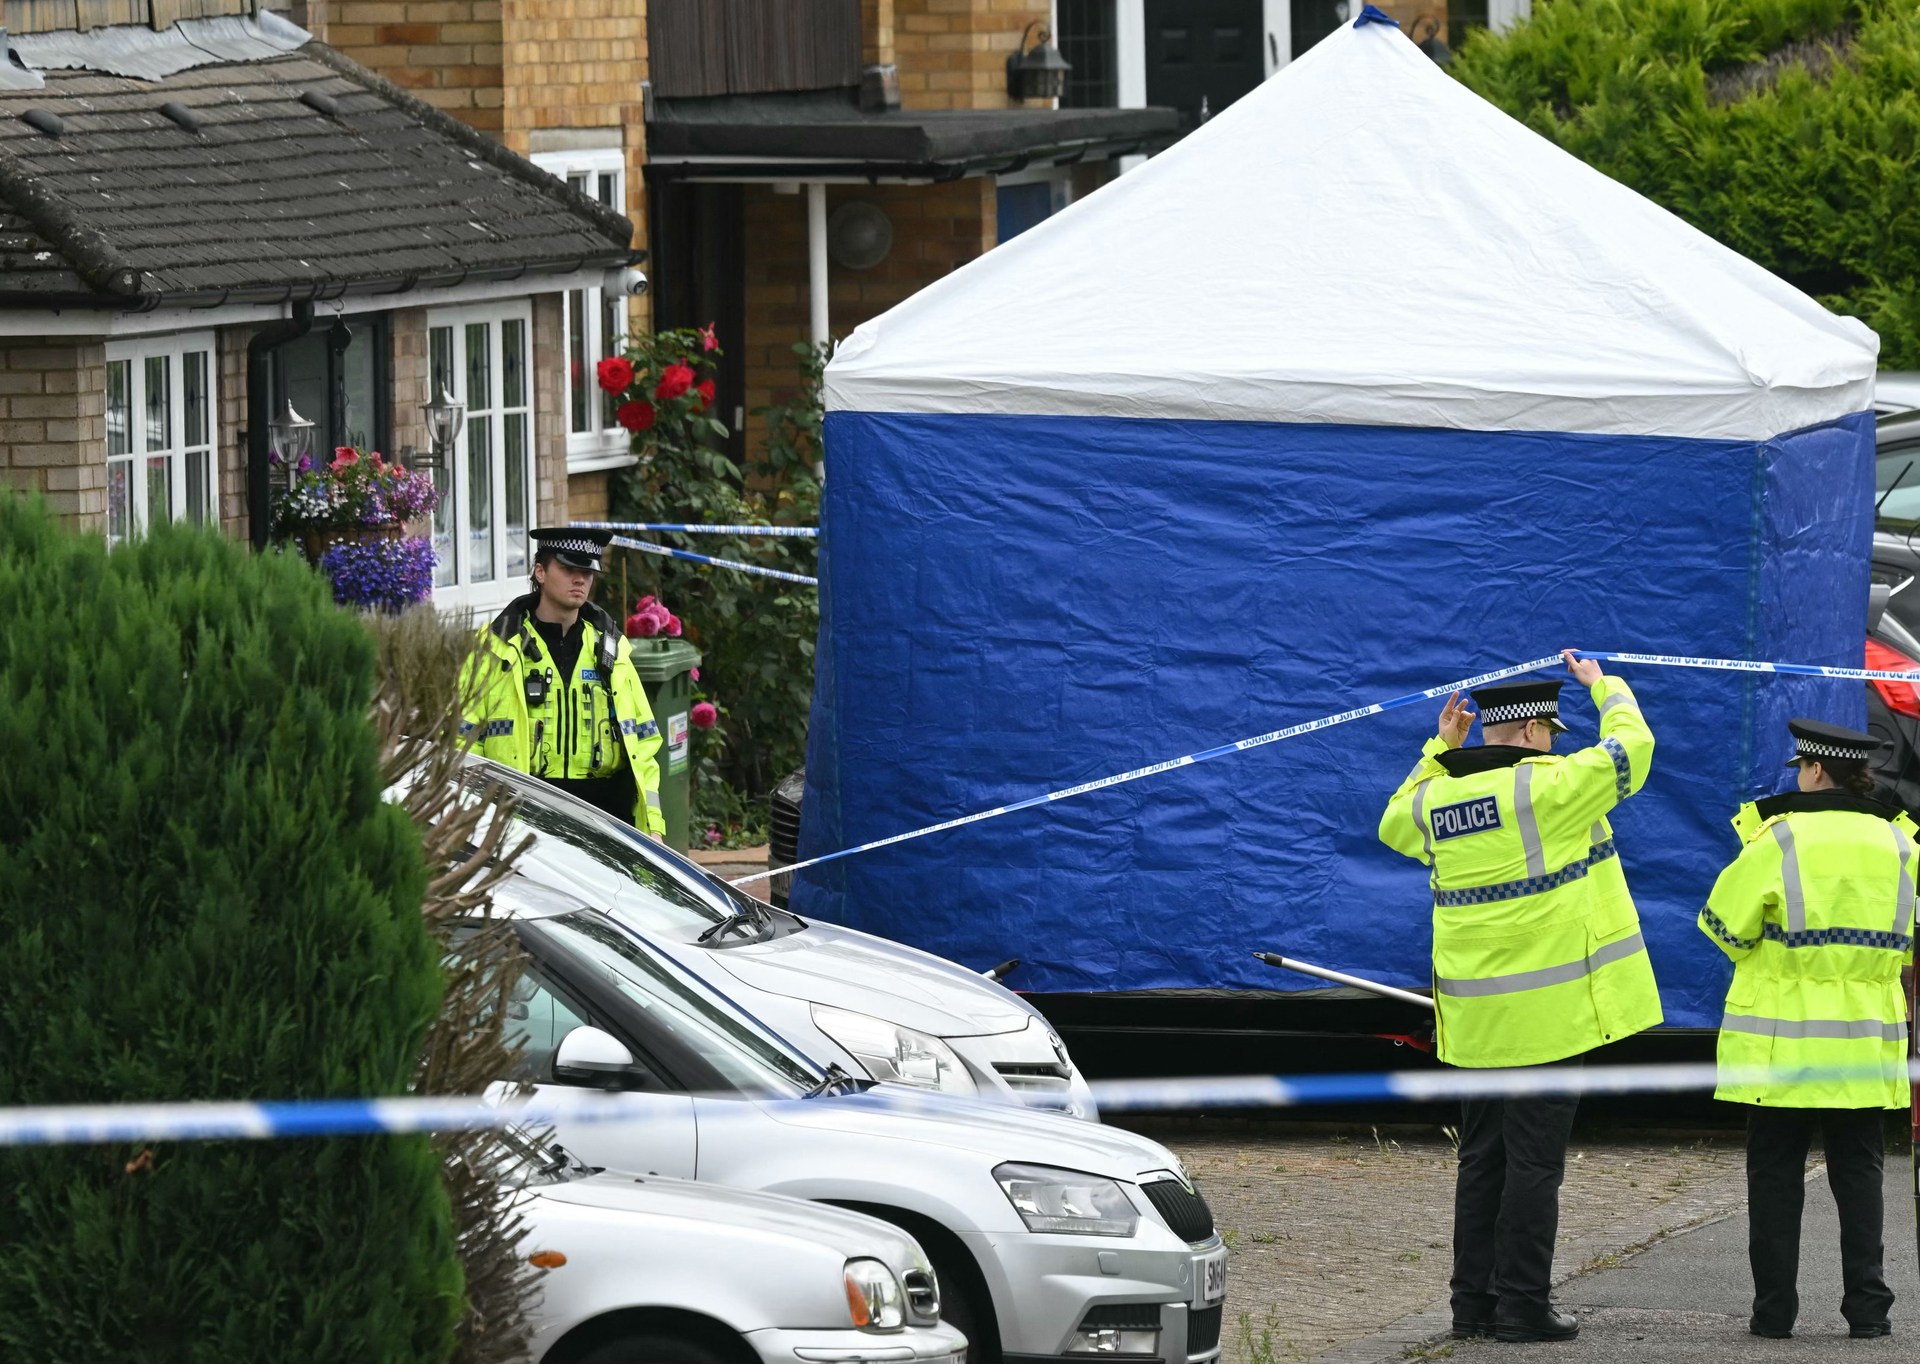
1361, 387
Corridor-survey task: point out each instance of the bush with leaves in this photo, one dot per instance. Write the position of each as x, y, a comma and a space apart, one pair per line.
204, 897
1787, 129
756, 635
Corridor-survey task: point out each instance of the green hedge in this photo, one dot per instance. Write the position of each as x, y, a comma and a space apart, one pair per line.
202, 896
1787, 129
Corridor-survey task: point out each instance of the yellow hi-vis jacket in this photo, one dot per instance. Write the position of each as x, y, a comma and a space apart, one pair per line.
1817, 914
1537, 953
587, 729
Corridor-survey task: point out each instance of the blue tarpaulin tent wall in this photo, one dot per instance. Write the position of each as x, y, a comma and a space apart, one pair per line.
1182, 465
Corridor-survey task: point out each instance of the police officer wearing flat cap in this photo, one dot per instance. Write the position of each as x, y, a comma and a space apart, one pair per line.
1537, 958
552, 689
1817, 914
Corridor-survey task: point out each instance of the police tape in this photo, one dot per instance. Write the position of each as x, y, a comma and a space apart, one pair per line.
1325, 721
690, 528
734, 564
98, 1124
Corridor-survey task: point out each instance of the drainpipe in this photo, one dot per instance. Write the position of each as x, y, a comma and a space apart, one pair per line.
817, 260
260, 413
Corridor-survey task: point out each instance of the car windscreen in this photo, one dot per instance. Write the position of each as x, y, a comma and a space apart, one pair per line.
1891, 471
595, 856
751, 1060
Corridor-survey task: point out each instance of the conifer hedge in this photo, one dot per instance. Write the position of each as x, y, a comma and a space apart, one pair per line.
1787, 129
202, 896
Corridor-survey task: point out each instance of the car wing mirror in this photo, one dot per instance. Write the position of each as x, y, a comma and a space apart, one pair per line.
1877, 597
590, 1056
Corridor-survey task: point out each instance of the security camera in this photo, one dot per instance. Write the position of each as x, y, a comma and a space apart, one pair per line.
626, 283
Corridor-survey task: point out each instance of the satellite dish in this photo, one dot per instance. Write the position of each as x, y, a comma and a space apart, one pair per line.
859, 235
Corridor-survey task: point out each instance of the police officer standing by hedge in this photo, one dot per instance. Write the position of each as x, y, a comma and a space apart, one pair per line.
1817, 914
1537, 957
552, 689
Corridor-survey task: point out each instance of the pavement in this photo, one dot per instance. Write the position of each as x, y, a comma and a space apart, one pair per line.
1686, 1299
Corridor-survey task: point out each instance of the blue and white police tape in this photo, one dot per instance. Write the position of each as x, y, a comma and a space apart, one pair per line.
1309, 726
689, 528
94, 1124
734, 564
1741, 665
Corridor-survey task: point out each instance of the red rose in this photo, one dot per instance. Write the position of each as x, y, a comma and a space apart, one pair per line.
674, 381
636, 416
705, 389
616, 372
704, 715
708, 341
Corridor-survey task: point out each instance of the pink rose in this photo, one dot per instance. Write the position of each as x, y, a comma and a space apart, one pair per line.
673, 625
644, 603
642, 625
708, 341
704, 715
696, 674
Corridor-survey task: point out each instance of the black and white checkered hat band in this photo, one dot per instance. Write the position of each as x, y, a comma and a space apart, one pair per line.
586, 547
1807, 748
1520, 710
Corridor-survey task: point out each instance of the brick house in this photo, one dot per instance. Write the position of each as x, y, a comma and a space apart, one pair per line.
204, 218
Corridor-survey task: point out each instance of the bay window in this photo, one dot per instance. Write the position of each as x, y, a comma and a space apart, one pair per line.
161, 416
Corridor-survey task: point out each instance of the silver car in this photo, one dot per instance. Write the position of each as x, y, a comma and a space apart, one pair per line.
872, 1006
662, 1271
1051, 1238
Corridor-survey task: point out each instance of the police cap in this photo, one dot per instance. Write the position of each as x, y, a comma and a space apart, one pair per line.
1509, 703
572, 546
1814, 740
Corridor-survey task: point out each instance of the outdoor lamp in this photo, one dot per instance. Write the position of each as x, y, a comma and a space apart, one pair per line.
1038, 72
292, 434
445, 417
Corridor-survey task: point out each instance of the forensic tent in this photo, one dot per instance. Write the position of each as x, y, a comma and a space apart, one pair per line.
1360, 388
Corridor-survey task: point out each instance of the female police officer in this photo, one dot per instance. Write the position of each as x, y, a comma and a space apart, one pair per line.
1817, 914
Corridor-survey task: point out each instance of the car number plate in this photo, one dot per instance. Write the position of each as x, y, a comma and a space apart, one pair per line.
1210, 1278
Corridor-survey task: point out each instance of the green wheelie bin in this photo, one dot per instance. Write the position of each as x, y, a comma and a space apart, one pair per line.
666, 671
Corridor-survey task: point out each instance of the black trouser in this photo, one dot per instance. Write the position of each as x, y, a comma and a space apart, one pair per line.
1506, 1203
1777, 1144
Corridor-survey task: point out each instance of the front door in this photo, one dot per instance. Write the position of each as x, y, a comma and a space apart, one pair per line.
1203, 54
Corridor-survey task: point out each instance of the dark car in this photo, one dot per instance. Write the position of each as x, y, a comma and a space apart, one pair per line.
1893, 631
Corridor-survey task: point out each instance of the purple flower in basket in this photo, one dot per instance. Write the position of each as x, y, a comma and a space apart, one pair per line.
386, 575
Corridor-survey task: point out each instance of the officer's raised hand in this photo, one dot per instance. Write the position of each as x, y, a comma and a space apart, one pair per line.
1455, 721
1585, 671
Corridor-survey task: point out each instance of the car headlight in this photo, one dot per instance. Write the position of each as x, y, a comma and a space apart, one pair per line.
874, 1296
891, 1052
1067, 1201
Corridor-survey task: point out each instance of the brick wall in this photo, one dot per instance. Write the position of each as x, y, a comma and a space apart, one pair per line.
53, 425
936, 229
952, 54
230, 428
447, 52
876, 32
549, 413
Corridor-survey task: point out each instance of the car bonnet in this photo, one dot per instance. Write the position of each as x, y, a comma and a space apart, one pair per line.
833, 966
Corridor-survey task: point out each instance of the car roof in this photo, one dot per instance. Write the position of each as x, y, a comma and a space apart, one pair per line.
1896, 390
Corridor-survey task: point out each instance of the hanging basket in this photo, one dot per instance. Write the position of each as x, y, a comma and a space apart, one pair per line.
315, 543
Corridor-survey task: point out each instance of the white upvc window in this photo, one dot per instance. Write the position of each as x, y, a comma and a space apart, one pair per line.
595, 325
483, 355
161, 413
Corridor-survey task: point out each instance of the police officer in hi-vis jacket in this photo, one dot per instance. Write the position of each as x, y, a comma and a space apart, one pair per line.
1817, 914
552, 689
1537, 957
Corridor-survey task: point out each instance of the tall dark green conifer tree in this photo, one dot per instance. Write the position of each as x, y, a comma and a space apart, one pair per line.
1787, 129
202, 896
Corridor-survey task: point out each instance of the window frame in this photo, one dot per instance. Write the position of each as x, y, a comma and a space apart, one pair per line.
379, 328
174, 347
463, 593
604, 444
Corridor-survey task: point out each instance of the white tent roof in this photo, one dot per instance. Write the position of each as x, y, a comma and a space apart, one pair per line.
1363, 240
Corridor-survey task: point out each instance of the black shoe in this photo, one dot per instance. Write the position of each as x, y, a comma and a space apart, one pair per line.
1871, 1330
1546, 1323
1770, 1332
1471, 1330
